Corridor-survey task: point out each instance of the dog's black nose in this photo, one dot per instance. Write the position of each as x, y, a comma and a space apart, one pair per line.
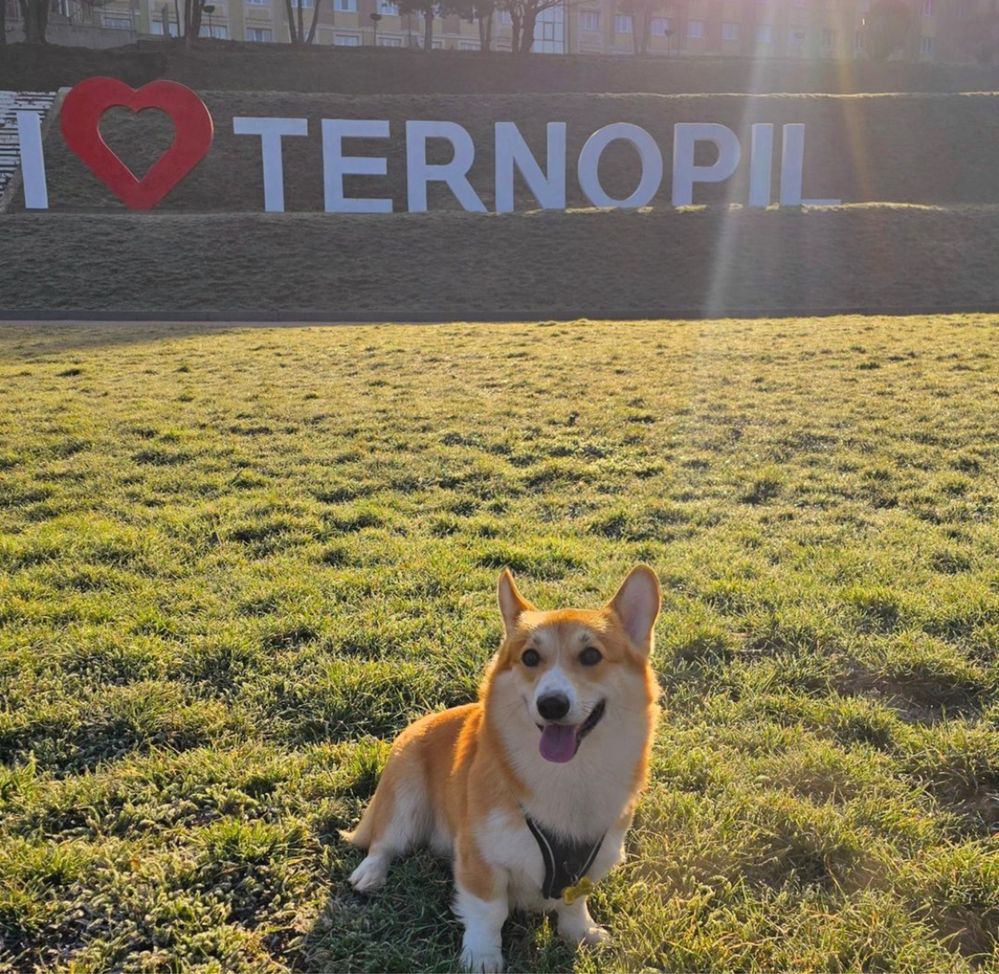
553, 706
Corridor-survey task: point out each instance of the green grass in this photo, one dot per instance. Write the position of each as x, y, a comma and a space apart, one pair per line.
234, 563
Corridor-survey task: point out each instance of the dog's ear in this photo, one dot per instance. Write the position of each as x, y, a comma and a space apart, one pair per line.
511, 602
637, 606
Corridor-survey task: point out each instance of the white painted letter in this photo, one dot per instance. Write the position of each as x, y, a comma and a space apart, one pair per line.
511, 149
648, 153
455, 173
792, 159
685, 136
761, 164
336, 165
271, 131
29, 135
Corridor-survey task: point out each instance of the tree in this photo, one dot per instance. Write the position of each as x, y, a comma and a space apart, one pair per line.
427, 9
3, 21
474, 10
35, 14
523, 19
886, 28
193, 14
296, 21
484, 10
641, 12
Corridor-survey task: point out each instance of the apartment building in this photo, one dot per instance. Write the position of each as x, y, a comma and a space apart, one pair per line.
678, 28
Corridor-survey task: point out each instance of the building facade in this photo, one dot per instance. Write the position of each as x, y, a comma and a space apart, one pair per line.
677, 28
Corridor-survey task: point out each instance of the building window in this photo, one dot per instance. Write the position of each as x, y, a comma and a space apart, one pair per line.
117, 23
156, 28
390, 42
549, 31
589, 20
927, 8
219, 31
345, 6
695, 28
505, 19
389, 9
466, 46
346, 40
438, 44
659, 26
926, 45
259, 3
306, 4
259, 35
622, 24
764, 33
730, 32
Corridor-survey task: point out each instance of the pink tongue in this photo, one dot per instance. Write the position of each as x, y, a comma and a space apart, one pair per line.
558, 742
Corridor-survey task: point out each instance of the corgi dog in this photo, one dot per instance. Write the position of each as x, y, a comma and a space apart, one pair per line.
531, 789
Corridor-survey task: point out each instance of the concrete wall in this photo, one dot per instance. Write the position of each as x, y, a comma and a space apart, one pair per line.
77, 35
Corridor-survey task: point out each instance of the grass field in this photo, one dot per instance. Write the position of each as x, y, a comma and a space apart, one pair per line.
234, 563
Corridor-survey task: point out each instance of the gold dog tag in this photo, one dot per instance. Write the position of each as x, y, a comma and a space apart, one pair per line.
582, 888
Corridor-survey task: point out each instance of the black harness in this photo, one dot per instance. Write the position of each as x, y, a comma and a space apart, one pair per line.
566, 860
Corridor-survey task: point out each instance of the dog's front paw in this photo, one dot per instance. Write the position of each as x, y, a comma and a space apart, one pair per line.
589, 934
594, 936
369, 875
482, 961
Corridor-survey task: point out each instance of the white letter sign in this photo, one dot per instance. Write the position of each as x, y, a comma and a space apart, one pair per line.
419, 172
685, 137
792, 159
271, 131
336, 165
649, 156
29, 135
512, 150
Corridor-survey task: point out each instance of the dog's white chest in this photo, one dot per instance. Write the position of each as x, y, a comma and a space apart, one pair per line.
506, 843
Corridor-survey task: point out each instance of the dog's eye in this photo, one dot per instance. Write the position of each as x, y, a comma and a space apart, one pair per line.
590, 656
531, 657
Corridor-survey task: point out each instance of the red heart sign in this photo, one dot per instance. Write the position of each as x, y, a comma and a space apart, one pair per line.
80, 120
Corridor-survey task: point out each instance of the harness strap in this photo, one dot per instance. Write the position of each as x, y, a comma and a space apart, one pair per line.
566, 860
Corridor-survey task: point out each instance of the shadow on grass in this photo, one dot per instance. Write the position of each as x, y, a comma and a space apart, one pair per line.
24, 341
408, 925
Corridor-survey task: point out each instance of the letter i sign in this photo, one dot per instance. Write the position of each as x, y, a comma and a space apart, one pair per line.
80, 120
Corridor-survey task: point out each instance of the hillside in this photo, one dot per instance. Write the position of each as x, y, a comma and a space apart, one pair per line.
464, 266
275, 67
886, 148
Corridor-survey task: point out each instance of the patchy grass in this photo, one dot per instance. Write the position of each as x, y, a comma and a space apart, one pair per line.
698, 261
234, 563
